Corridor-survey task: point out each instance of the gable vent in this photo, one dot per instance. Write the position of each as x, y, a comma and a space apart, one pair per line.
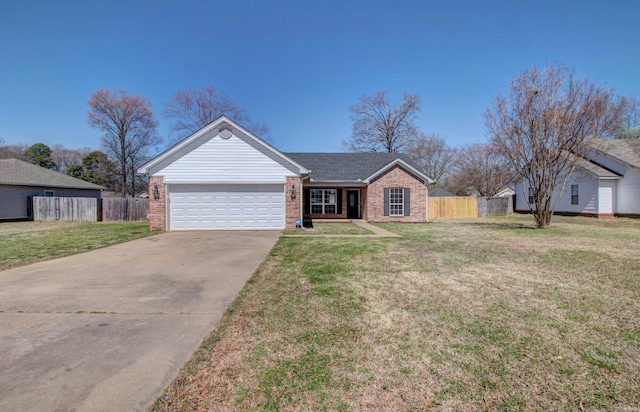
225, 133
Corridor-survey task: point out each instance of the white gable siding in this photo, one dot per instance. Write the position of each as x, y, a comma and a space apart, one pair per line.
214, 160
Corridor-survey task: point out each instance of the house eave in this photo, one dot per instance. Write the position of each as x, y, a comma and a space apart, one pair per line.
52, 186
338, 183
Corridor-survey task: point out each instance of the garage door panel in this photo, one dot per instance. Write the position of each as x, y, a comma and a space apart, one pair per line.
221, 207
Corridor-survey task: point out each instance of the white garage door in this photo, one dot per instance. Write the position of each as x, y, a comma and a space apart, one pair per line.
224, 207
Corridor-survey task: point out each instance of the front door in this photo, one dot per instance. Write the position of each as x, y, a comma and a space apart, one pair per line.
353, 204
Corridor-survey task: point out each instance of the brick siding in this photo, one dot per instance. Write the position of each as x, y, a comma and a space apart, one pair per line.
396, 178
157, 208
293, 205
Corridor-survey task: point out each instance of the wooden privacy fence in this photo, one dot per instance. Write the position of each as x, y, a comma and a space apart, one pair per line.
76, 209
86, 209
124, 209
458, 206
495, 206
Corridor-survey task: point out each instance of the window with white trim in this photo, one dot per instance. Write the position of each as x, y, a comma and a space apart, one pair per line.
323, 201
531, 199
574, 194
396, 202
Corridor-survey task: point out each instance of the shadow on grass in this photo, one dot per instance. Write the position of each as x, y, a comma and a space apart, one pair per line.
497, 225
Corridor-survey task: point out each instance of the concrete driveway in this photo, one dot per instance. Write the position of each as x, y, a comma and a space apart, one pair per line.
108, 330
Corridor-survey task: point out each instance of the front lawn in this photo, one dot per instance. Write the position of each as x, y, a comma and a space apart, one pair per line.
22, 243
330, 228
483, 314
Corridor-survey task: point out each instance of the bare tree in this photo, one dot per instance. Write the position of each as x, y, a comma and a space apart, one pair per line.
129, 131
546, 125
629, 127
63, 157
433, 155
381, 126
13, 151
190, 110
482, 170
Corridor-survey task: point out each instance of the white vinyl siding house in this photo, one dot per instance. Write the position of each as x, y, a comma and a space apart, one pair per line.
223, 178
626, 191
607, 183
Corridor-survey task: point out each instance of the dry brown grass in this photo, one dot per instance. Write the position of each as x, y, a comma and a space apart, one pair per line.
455, 315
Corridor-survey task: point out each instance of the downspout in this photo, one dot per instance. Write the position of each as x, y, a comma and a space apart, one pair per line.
426, 206
301, 217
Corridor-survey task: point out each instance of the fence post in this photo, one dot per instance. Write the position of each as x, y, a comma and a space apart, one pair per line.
99, 210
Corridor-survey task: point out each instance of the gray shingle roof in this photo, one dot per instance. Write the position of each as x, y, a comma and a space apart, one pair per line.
17, 172
440, 193
596, 169
627, 150
351, 167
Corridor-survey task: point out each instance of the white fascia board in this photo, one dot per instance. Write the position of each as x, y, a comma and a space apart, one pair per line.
610, 178
405, 165
144, 169
224, 183
337, 183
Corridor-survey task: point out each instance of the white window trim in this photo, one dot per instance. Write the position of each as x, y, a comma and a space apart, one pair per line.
396, 204
577, 195
323, 203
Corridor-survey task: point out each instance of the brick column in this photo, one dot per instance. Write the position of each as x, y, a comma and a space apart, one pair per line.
292, 208
157, 208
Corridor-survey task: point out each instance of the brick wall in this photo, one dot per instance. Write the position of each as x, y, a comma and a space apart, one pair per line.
157, 208
293, 210
399, 178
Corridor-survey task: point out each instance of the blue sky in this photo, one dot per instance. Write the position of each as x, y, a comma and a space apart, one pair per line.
296, 65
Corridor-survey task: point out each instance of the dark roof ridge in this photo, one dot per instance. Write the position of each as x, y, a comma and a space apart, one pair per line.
17, 172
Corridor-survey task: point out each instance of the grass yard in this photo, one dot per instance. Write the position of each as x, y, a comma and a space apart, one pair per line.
324, 228
22, 243
484, 314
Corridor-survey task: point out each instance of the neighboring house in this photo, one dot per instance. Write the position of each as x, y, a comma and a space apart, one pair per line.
605, 184
19, 180
505, 192
441, 193
222, 177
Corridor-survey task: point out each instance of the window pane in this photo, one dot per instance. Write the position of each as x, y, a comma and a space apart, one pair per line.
396, 207
330, 196
316, 208
330, 209
316, 196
